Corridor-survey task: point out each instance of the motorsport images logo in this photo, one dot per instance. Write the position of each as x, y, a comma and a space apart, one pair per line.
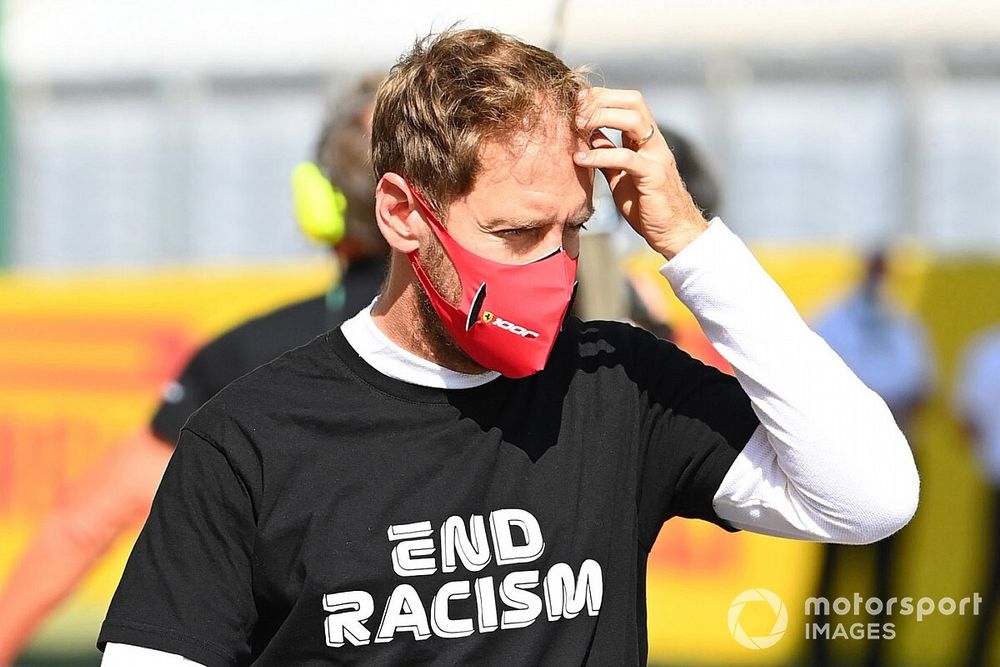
777, 631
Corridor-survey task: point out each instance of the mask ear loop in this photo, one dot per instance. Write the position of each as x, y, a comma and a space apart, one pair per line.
425, 208
569, 306
426, 279
429, 214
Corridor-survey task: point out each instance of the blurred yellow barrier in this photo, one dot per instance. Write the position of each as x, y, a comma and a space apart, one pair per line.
82, 360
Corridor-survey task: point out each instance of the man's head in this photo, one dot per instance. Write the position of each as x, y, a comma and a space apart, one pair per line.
343, 156
457, 92
876, 272
877, 264
484, 127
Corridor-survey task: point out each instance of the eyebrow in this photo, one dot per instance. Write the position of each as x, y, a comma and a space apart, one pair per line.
581, 217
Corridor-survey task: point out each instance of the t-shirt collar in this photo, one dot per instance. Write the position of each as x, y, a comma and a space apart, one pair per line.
379, 352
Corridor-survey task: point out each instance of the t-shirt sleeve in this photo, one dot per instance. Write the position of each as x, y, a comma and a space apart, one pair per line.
187, 586
695, 421
181, 397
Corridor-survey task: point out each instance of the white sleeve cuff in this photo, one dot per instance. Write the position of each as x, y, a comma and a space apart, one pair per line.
127, 655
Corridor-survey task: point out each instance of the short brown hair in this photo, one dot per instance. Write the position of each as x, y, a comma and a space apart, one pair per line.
456, 90
343, 155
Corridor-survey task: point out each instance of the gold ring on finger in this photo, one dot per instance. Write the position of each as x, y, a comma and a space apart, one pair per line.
648, 135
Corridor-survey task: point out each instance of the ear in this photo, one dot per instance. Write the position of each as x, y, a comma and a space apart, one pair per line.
397, 215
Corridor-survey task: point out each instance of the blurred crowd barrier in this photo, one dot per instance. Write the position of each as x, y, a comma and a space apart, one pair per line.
83, 357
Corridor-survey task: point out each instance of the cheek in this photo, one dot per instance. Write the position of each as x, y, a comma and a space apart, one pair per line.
440, 270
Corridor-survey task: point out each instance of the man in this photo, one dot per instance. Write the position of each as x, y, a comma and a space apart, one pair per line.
462, 475
889, 351
116, 493
977, 397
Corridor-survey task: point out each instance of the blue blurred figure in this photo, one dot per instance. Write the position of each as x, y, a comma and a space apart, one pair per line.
889, 351
977, 402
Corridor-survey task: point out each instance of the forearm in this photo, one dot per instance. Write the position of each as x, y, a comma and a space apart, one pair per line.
92, 512
56, 560
829, 462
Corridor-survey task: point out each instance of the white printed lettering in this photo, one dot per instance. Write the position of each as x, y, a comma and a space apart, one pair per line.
348, 613
403, 613
487, 601
507, 553
516, 329
565, 597
524, 605
472, 546
444, 625
411, 557
514, 536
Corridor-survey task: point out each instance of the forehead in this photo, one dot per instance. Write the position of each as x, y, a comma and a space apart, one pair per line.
532, 174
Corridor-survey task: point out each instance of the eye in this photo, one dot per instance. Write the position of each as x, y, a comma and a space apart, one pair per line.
576, 228
518, 232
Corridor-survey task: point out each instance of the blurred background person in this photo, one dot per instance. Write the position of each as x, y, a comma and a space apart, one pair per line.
977, 404
646, 306
600, 291
334, 204
889, 351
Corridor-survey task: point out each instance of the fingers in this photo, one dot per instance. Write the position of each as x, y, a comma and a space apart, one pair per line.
632, 123
615, 163
600, 141
616, 97
622, 159
623, 110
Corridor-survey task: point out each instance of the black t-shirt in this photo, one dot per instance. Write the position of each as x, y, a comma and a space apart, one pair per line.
318, 512
258, 341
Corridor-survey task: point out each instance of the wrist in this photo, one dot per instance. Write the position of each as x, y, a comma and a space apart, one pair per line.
680, 237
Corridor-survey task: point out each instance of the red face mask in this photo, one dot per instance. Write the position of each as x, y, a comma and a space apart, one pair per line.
509, 314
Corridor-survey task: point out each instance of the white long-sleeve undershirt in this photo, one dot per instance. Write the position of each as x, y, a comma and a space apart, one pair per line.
828, 462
